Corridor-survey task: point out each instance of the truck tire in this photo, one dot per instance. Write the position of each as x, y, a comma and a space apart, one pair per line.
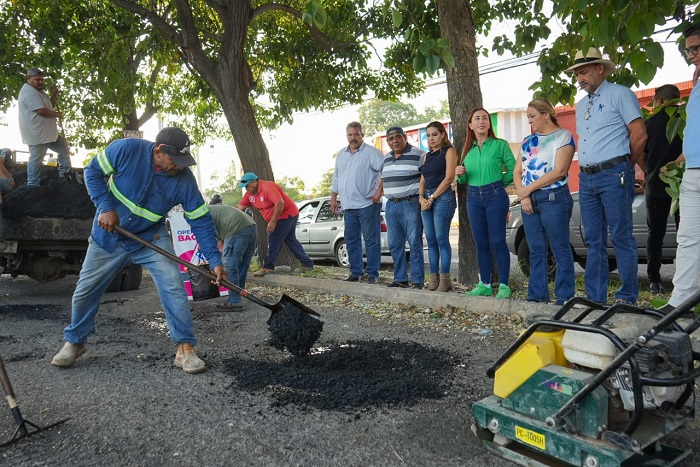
128, 278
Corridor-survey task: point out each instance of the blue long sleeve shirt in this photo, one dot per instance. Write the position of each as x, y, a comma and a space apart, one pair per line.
122, 178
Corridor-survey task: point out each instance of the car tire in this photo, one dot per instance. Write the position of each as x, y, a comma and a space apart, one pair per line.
341, 254
612, 263
524, 260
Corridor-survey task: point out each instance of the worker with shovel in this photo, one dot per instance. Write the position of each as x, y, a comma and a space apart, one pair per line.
134, 183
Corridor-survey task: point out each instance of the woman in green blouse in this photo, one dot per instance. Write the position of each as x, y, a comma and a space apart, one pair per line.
487, 166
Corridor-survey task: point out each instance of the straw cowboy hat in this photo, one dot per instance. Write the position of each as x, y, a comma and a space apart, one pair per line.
593, 56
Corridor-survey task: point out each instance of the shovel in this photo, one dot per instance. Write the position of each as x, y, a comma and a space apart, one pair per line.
24, 427
292, 324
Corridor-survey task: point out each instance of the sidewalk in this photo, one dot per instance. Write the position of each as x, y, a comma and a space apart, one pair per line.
407, 296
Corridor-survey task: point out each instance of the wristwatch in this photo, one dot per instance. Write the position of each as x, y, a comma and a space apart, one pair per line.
431, 198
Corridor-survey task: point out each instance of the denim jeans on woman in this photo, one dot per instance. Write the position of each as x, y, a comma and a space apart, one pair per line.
548, 225
238, 251
436, 224
487, 206
100, 267
403, 224
606, 202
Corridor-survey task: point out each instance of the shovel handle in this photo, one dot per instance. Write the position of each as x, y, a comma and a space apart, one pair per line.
229, 285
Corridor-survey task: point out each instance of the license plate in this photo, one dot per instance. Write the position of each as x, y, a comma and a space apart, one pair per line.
530, 437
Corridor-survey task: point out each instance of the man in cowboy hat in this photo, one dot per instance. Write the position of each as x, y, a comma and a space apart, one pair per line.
611, 138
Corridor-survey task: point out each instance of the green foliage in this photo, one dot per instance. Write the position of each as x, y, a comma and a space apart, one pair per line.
673, 175
622, 29
227, 188
324, 186
113, 69
294, 187
377, 115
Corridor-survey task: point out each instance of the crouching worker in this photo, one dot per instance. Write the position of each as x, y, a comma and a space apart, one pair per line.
237, 231
134, 183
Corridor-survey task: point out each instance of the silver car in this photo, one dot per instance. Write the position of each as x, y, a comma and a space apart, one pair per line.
322, 234
517, 242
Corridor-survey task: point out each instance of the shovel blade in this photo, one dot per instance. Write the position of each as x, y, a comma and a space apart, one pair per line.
294, 326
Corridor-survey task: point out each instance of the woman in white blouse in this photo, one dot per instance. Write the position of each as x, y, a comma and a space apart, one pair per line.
541, 177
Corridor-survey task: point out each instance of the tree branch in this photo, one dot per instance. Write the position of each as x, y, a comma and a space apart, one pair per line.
322, 40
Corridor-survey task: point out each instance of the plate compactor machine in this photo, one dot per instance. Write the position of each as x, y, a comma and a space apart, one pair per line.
593, 393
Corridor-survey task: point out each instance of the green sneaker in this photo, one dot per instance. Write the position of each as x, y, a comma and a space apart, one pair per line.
503, 291
481, 290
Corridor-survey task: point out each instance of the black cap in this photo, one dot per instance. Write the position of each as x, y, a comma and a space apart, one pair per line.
176, 144
394, 130
34, 71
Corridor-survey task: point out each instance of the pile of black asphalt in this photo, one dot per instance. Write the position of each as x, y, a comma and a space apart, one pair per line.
55, 197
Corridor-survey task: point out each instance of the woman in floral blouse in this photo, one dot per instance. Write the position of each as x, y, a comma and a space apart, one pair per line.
541, 177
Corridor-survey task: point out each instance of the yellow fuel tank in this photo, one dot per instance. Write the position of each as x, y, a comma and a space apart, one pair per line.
541, 349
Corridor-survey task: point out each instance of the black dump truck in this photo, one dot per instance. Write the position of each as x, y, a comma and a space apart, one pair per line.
46, 229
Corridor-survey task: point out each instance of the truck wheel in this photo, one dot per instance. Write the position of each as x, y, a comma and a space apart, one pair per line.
524, 260
128, 278
133, 274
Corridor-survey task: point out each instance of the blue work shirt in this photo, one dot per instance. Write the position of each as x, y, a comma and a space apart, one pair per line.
356, 176
122, 178
604, 134
691, 135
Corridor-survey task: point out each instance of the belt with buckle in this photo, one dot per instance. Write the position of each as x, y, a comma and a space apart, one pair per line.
610, 163
405, 198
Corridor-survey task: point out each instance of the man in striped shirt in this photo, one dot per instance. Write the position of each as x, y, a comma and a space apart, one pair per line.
401, 179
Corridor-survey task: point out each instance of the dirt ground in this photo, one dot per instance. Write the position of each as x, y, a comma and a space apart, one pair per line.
382, 387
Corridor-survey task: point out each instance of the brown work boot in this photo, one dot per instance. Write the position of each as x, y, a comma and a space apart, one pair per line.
263, 271
186, 359
445, 283
434, 283
68, 354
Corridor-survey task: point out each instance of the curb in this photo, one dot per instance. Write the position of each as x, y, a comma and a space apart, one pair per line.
409, 296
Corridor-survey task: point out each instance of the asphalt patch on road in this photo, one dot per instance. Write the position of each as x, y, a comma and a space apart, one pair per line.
351, 375
33, 311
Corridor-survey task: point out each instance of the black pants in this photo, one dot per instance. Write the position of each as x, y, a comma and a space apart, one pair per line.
657, 217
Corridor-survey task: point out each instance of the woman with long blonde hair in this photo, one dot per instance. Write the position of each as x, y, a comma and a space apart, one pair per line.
541, 177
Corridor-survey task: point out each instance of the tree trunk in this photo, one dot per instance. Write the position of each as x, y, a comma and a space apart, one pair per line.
464, 95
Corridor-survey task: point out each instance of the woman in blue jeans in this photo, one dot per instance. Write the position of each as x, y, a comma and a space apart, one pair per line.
438, 204
487, 167
541, 177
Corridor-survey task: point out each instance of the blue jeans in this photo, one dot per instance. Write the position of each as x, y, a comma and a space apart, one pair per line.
100, 267
238, 251
487, 206
403, 223
285, 232
37, 152
606, 203
436, 223
548, 225
363, 224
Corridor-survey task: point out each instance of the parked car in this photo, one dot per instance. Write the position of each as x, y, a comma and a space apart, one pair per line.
322, 234
517, 242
